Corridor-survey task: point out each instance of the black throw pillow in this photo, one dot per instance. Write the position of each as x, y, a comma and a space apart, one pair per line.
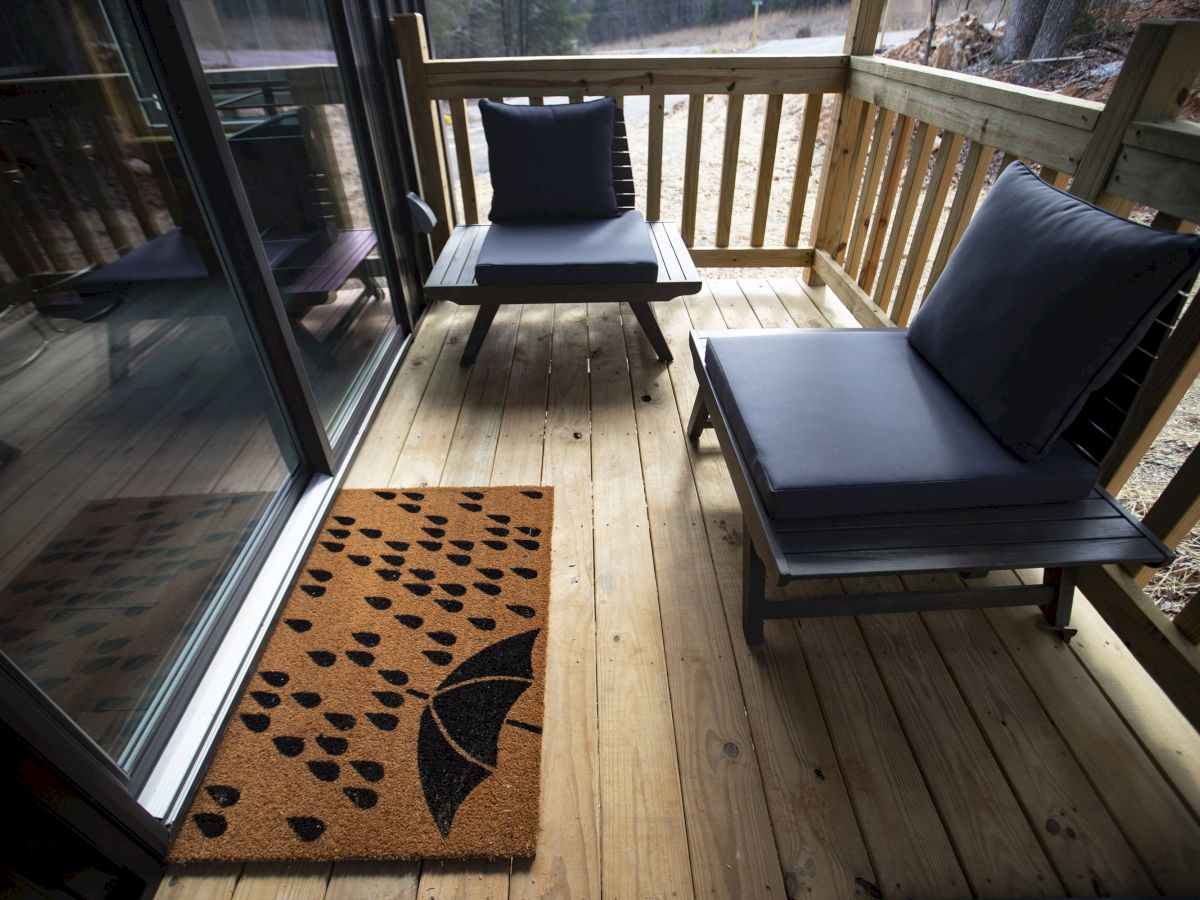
550, 161
1043, 299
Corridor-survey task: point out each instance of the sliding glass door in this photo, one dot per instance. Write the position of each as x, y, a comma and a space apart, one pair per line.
200, 297
278, 83
141, 442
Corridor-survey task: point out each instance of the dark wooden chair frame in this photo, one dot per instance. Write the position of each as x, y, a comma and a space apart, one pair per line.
1060, 538
453, 274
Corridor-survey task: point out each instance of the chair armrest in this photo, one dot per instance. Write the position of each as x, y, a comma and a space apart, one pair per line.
423, 216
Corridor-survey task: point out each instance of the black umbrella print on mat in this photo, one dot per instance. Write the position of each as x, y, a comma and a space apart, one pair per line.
459, 736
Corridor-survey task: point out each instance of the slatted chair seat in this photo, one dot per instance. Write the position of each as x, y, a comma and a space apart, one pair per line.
588, 265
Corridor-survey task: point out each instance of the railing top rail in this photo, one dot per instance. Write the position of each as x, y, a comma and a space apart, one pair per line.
667, 61
1072, 111
623, 75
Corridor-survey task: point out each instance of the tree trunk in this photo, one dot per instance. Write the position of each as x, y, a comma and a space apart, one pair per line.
1024, 20
1056, 28
933, 11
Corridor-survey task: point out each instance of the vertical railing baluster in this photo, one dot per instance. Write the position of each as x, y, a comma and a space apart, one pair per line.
466, 166
654, 160
931, 211
914, 178
729, 160
803, 170
691, 167
766, 170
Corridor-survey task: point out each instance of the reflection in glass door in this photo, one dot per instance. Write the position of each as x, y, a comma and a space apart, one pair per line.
274, 75
141, 442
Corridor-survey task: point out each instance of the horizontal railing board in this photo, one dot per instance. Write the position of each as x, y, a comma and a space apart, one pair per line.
1177, 138
1022, 134
1161, 182
853, 297
555, 76
799, 257
1059, 108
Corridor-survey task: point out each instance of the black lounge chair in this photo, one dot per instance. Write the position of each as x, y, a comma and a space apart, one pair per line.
968, 443
557, 236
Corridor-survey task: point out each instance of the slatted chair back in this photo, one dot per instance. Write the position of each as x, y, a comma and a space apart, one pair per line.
622, 165
1095, 429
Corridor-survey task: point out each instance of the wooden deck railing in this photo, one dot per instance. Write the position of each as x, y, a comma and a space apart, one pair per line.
535, 80
909, 152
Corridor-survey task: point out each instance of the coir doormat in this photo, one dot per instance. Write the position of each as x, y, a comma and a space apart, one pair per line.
396, 712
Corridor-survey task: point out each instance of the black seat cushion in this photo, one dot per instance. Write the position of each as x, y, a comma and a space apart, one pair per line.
550, 161
835, 422
568, 251
1041, 302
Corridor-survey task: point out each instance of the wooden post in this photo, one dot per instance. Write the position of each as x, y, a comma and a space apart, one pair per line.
862, 33
1174, 512
1188, 620
424, 123
1155, 80
1170, 658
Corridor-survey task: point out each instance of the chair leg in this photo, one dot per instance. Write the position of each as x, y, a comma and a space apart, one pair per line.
754, 591
699, 419
483, 321
1058, 611
645, 317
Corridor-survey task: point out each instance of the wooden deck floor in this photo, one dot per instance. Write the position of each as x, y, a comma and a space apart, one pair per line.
947, 755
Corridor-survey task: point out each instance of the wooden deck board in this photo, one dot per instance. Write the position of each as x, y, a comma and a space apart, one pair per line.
820, 848
940, 755
1079, 834
567, 864
995, 843
729, 831
643, 842
1162, 830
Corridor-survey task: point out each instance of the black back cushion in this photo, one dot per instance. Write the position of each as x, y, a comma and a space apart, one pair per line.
1043, 299
550, 161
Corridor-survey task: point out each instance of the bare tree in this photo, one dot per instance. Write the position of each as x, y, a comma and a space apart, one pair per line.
1056, 28
1024, 20
1036, 29
933, 12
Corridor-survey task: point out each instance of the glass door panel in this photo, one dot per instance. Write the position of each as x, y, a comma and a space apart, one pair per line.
141, 443
275, 79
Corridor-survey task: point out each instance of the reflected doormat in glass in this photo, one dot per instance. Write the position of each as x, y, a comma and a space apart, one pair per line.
396, 712
103, 612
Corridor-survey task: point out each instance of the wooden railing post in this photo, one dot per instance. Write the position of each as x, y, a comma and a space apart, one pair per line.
1188, 620
424, 122
1174, 512
833, 192
1154, 83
